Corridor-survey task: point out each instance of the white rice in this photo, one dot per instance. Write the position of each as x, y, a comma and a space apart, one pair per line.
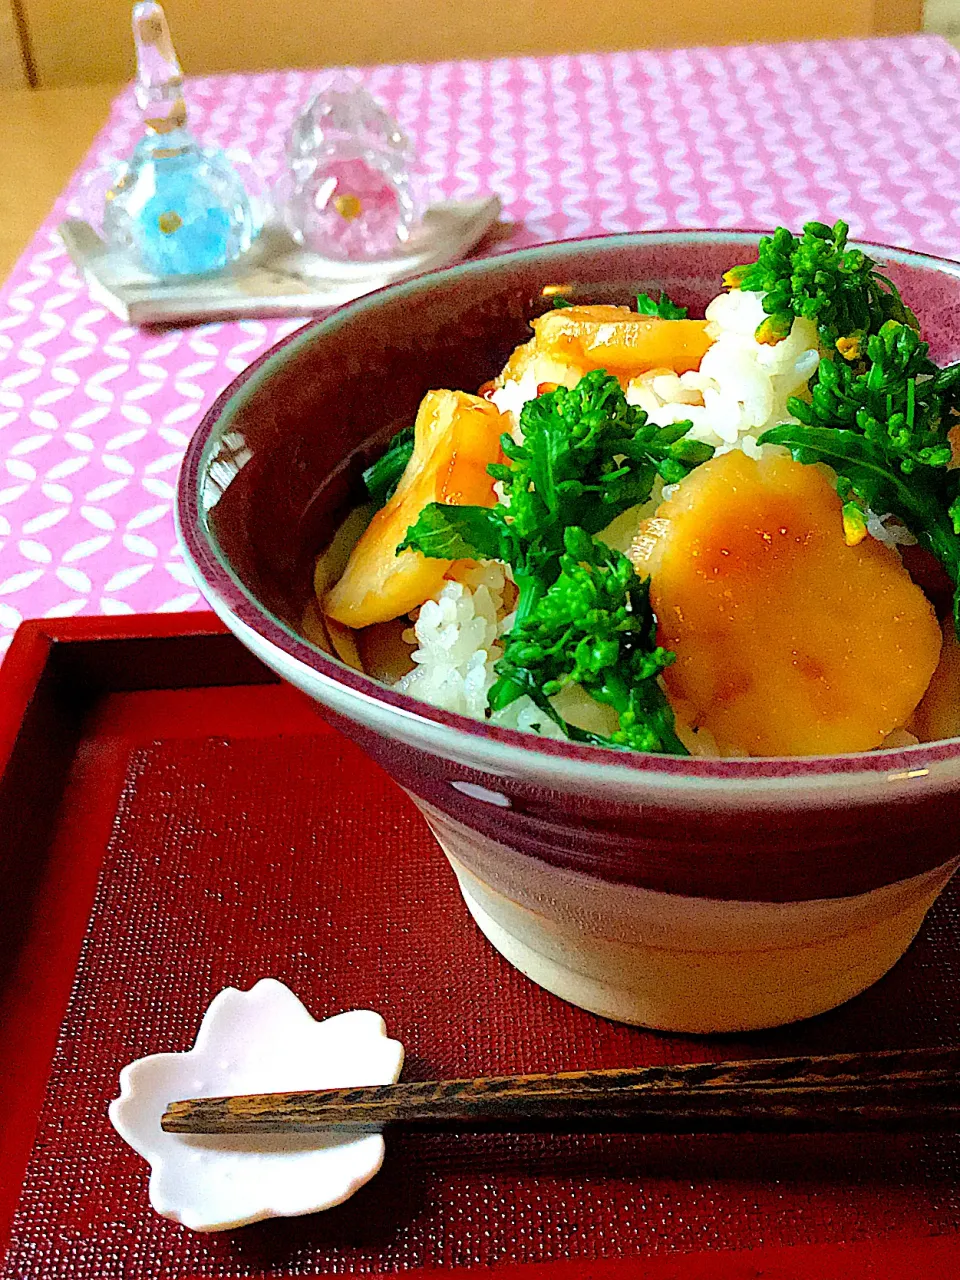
743, 385
456, 636
512, 396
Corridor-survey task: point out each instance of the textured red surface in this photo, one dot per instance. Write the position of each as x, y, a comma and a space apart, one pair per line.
923, 1258
239, 837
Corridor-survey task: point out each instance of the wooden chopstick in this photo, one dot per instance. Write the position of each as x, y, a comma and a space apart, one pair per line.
914, 1088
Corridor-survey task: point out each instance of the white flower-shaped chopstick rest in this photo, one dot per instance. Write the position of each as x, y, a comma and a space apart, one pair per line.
257, 1041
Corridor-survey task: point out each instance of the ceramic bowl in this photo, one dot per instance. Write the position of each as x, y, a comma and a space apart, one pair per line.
690, 895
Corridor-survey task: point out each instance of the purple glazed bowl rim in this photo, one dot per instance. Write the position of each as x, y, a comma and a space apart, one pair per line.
802, 778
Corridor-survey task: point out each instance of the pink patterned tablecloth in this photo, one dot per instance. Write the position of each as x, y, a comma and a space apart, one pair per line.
95, 415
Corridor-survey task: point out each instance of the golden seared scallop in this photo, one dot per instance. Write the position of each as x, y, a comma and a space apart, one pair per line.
528, 359
788, 641
456, 436
621, 341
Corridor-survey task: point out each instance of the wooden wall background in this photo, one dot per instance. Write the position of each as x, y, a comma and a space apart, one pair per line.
943, 16
13, 73
70, 42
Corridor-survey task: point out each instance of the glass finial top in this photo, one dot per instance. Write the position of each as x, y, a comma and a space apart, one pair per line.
159, 83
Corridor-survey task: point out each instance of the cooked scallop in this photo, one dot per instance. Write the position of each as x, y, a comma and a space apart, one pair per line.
456, 436
621, 341
788, 641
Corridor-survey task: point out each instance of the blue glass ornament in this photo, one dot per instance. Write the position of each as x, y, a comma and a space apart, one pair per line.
178, 207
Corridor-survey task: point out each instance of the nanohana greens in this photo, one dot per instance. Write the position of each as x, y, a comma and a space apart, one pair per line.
663, 307
592, 627
382, 478
819, 278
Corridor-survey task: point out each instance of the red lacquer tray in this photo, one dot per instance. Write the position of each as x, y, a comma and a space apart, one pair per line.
173, 821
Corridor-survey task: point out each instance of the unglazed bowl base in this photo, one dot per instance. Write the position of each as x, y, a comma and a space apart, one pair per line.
683, 964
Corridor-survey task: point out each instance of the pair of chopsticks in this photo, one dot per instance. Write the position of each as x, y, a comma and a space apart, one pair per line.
914, 1088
